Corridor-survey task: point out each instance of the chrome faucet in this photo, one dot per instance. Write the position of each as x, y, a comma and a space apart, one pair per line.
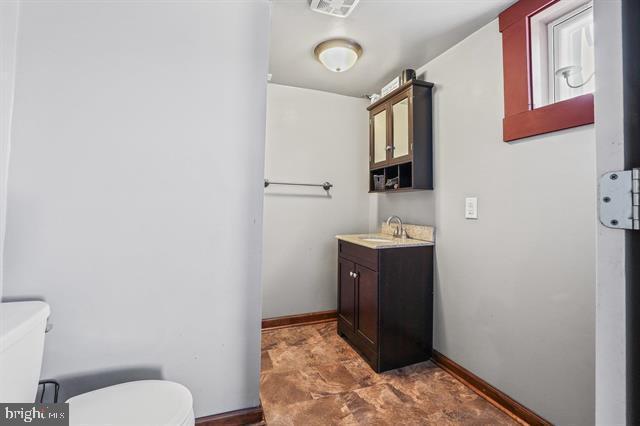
399, 231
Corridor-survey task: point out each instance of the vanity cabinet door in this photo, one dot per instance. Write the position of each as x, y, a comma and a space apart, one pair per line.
347, 292
367, 305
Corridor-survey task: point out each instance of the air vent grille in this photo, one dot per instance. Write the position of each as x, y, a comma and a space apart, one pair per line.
339, 8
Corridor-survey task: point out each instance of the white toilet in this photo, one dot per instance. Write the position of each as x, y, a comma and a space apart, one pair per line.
144, 402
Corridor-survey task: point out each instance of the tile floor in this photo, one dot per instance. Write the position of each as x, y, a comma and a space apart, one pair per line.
310, 376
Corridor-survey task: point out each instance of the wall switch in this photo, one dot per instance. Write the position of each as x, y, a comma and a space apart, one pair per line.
471, 208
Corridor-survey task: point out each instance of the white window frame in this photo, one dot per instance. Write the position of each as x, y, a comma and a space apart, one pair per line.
542, 72
551, 49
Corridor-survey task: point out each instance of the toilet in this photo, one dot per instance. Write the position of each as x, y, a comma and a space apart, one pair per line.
143, 402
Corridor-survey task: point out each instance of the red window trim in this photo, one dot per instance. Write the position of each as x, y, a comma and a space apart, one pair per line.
521, 119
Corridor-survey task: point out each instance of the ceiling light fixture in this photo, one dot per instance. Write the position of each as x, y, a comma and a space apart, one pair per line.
338, 54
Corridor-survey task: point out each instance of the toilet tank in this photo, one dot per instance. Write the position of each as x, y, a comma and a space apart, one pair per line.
22, 327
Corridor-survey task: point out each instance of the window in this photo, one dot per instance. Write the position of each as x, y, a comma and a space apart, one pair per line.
548, 62
571, 68
562, 53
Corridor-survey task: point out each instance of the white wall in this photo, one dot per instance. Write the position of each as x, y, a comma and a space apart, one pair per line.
312, 137
135, 199
610, 296
9, 12
514, 297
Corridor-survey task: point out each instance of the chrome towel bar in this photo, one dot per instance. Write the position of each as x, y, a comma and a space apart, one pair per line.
326, 185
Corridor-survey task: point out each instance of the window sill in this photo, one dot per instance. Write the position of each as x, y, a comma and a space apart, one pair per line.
566, 114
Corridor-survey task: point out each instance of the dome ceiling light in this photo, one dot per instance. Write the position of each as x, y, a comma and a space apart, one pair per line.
338, 54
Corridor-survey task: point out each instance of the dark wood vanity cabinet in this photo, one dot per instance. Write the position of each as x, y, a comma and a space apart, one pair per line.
385, 303
401, 139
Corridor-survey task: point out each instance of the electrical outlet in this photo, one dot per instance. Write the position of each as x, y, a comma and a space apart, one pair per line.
471, 208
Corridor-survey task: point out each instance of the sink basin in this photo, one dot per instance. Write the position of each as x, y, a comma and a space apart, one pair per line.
376, 239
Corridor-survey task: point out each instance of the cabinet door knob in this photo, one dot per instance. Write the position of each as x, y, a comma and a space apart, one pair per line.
389, 147
351, 274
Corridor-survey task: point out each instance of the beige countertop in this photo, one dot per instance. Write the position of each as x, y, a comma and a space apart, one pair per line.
384, 241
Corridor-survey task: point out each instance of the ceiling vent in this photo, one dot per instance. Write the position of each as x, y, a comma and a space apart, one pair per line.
338, 8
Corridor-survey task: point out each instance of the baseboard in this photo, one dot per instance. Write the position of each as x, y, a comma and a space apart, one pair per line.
301, 319
242, 417
496, 397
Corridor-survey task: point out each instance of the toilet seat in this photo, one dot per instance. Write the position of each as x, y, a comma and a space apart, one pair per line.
144, 402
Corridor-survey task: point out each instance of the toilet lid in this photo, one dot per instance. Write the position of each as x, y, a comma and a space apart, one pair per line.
144, 402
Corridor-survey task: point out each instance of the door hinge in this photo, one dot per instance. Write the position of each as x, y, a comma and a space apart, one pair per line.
619, 199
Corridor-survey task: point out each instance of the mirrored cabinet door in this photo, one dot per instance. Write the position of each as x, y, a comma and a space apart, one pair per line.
401, 129
379, 135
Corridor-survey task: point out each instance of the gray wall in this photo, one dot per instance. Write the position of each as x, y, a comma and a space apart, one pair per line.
310, 138
135, 198
8, 38
416, 207
514, 297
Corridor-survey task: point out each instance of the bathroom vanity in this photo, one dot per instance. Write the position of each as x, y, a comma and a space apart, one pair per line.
385, 298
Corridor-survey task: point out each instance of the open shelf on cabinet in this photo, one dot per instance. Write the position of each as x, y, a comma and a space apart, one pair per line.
396, 178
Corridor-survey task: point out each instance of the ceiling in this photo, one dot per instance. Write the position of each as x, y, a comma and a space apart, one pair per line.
394, 34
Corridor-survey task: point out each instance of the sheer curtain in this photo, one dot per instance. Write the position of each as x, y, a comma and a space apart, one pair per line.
9, 10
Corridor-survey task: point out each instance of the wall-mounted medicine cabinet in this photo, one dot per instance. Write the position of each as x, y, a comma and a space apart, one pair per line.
401, 140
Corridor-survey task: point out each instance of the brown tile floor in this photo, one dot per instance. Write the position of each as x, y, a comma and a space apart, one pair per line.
310, 376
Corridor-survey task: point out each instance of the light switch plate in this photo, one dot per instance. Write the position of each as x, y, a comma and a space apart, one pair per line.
471, 208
